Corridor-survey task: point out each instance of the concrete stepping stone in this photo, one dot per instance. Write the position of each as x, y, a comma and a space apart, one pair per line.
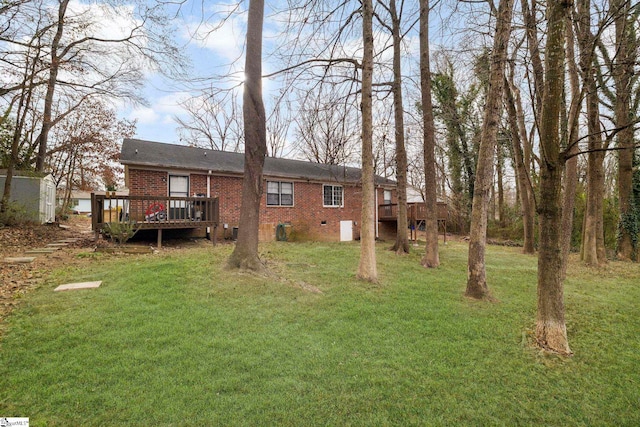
49, 248
81, 285
41, 251
19, 260
67, 241
57, 245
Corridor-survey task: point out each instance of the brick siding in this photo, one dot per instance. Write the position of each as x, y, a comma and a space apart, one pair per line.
308, 218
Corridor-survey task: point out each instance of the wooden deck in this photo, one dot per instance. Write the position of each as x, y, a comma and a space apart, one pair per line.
416, 216
154, 213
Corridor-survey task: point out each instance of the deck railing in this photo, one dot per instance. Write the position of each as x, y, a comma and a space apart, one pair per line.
148, 212
415, 211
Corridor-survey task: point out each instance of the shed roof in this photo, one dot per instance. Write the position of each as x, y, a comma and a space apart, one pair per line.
25, 174
137, 152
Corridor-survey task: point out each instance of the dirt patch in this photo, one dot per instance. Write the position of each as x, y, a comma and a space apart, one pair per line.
18, 279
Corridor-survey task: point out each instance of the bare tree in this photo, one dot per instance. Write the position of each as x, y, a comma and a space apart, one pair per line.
213, 121
623, 74
593, 251
401, 245
245, 253
431, 258
367, 268
477, 283
21, 102
570, 179
551, 331
325, 127
69, 61
278, 124
54, 68
523, 178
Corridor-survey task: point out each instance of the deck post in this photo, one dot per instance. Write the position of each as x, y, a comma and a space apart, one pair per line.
159, 238
215, 235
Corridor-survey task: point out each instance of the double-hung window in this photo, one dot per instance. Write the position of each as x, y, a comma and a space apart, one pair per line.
178, 187
386, 197
333, 195
279, 193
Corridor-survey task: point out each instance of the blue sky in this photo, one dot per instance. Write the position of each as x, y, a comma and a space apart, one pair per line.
213, 50
217, 50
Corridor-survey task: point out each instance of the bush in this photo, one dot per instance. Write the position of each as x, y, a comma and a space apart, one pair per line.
15, 214
120, 232
63, 214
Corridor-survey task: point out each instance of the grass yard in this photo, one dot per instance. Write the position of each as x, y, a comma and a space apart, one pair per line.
173, 339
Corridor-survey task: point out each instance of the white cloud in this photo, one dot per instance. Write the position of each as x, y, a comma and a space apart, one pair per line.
170, 103
144, 115
161, 110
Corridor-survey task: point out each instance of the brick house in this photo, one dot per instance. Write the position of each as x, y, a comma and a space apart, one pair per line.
315, 201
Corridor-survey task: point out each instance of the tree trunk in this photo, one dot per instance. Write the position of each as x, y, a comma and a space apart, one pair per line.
401, 245
623, 72
13, 161
571, 165
529, 14
245, 253
367, 268
477, 283
593, 253
24, 101
551, 331
502, 220
593, 233
522, 175
51, 87
431, 258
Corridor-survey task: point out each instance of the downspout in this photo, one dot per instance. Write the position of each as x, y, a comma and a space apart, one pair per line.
376, 214
209, 196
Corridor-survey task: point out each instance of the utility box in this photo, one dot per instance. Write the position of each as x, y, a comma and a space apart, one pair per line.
36, 194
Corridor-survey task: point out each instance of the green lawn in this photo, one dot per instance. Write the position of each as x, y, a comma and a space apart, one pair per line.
173, 339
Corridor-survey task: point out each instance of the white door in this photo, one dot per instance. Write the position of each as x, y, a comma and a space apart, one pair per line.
50, 199
346, 231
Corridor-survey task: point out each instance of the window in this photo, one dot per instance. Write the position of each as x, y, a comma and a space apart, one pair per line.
387, 197
332, 195
178, 187
279, 193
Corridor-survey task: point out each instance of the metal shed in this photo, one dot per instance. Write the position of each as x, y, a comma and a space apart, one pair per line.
37, 194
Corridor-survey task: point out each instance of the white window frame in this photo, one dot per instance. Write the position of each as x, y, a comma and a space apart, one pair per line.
384, 199
178, 203
279, 204
333, 187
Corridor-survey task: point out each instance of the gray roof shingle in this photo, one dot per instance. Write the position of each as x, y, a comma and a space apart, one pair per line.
137, 152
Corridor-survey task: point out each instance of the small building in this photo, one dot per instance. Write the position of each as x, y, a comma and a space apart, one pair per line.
33, 192
80, 201
312, 201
